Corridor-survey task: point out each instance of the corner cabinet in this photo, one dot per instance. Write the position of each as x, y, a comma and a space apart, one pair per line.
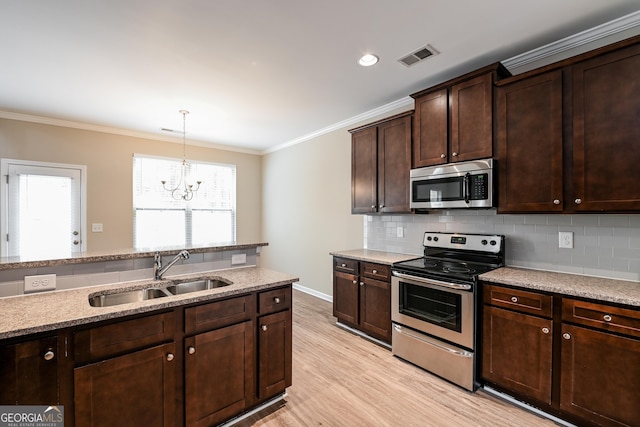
454, 120
380, 165
576, 359
362, 296
567, 135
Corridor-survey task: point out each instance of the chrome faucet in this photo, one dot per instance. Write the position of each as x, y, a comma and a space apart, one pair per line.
159, 270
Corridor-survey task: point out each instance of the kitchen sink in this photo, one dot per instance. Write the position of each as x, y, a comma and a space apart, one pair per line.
177, 288
138, 295
197, 285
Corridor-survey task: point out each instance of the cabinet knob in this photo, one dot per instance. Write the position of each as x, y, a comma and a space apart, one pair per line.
343, 265
49, 355
442, 156
514, 299
373, 207
355, 282
566, 336
578, 201
545, 330
607, 318
556, 202
381, 206
361, 283
454, 154
375, 271
191, 349
276, 300
263, 327
169, 357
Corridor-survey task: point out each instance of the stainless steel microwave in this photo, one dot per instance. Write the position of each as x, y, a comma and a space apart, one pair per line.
452, 186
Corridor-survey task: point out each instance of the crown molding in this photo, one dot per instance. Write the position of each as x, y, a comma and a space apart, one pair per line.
117, 131
371, 114
575, 41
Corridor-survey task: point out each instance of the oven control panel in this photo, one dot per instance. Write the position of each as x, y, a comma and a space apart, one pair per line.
471, 242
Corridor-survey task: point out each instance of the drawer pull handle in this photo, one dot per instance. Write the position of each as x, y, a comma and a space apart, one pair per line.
191, 349
343, 265
169, 357
545, 330
49, 355
607, 318
375, 271
566, 336
264, 327
514, 299
276, 300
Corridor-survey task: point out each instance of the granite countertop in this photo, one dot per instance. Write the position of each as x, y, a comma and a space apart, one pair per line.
369, 255
7, 263
596, 288
33, 313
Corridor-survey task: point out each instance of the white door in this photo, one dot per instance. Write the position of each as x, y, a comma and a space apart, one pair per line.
44, 209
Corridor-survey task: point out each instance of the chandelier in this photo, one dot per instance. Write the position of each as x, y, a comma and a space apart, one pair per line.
183, 190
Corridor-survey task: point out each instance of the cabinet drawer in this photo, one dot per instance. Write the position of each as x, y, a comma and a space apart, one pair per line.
602, 316
122, 337
519, 300
217, 314
274, 300
375, 271
345, 264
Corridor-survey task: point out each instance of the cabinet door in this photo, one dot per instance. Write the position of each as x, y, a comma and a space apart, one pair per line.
394, 164
219, 374
29, 373
517, 352
606, 112
375, 308
471, 130
529, 124
431, 129
135, 390
600, 379
364, 162
274, 349
345, 297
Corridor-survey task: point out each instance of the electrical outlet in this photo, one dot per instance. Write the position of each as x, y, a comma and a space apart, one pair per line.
565, 239
399, 232
43, 282
238, 259
97, 227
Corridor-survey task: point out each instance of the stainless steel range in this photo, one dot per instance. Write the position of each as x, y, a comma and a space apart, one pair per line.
433, 303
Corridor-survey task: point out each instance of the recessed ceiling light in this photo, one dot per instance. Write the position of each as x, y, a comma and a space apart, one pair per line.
368, 60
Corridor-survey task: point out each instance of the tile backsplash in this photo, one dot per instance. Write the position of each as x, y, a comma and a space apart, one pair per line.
604, 245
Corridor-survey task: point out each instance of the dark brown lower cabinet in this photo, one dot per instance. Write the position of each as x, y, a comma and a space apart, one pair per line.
375, 308
346, 293
600, 377
29, 372
135, 390
518, 352
274, 350
219, 374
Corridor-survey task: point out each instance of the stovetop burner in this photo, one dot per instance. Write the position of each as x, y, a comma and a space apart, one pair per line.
456, 256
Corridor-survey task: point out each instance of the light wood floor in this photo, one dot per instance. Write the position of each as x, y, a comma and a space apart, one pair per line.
340, 379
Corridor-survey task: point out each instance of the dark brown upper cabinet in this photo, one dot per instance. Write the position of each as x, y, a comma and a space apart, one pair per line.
567, 134
454, 120
380, 165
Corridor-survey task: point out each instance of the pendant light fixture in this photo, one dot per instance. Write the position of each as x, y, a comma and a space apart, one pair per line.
183, 190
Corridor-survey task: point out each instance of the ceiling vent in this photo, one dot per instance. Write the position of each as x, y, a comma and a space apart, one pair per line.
418, 56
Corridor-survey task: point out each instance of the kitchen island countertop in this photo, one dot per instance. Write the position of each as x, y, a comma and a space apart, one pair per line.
46, 311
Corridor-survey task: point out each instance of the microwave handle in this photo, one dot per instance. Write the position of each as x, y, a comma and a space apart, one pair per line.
466, 190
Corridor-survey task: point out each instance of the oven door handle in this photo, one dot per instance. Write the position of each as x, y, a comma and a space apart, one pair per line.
433, 282
457, 352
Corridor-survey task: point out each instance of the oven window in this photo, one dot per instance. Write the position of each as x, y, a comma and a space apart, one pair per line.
435, 306
438, 190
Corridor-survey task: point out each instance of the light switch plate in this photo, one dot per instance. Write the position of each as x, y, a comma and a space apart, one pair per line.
399, 232
42, 282
96, 227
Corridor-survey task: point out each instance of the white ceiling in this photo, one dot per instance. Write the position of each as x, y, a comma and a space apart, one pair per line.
256, 74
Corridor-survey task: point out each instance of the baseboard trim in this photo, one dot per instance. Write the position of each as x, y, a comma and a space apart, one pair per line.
322, 296
246, 415
363, 335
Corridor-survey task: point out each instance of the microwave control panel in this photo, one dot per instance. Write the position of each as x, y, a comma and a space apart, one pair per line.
479, 186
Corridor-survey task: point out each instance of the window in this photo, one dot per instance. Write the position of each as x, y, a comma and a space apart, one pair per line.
44, 209
160, 220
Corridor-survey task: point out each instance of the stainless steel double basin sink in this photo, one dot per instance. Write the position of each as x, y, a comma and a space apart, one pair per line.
138, 295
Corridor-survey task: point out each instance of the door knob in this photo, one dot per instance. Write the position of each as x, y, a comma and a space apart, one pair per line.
75, 233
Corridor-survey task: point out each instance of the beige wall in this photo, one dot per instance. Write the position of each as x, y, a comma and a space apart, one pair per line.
108, 158
307, 207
